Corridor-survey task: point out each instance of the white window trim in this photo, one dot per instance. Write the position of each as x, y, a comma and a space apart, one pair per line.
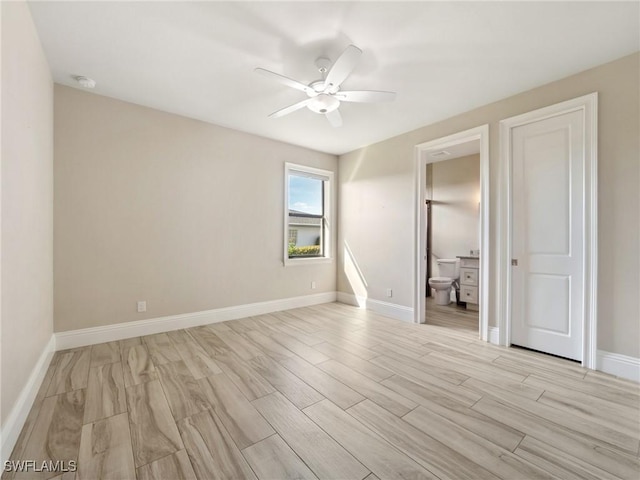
329, 214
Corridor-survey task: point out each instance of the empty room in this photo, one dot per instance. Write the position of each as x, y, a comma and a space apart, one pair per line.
324, 240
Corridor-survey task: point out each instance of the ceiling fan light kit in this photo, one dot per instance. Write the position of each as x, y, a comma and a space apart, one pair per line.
324, 103
324, 94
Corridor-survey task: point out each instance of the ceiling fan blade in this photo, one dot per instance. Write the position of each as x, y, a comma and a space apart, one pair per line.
289, 82
334, 117
290, 108
365, 96
342, 67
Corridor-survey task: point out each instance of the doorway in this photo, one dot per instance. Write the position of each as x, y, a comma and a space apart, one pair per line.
476, 140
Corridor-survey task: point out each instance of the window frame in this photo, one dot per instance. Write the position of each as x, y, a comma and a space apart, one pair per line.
328, 235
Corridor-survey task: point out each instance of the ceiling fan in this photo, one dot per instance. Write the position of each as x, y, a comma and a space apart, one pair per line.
325, 94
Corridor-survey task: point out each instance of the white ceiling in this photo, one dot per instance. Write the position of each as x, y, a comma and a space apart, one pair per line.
442, 58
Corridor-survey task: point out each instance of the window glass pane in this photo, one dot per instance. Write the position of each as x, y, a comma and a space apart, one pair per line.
305, 194
306, 212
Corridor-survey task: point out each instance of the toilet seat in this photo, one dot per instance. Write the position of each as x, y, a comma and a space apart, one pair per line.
442, 289
441, 280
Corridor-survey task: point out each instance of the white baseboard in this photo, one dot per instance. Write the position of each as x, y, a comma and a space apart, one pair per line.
399, 312
618, 365
494, 336
350, 299
18, 415
120, 331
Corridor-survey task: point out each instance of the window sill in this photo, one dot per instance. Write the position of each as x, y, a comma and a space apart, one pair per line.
290, 262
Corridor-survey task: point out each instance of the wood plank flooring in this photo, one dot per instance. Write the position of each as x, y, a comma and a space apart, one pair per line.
329, 392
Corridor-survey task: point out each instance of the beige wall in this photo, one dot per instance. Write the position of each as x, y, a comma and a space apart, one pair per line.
27, 195
377, 195
454, 209
183, 214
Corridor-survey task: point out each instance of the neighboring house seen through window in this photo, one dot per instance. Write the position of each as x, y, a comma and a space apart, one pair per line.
307, 207
293, 236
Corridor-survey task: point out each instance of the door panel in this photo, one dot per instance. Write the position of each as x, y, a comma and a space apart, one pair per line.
547, 235
548, 305
545, 170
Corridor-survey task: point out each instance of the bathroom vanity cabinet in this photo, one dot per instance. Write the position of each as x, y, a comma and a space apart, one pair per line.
469, 281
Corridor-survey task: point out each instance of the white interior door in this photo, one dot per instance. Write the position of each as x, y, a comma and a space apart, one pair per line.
547, 284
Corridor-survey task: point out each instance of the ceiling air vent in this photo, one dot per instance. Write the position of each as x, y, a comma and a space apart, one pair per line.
440, 154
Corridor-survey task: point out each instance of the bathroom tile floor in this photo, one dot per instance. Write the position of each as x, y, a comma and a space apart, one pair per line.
329, 391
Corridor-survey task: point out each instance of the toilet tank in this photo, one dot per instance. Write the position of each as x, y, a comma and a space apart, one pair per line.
449, 267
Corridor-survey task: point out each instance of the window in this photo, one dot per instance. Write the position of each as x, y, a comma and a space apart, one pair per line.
307, 226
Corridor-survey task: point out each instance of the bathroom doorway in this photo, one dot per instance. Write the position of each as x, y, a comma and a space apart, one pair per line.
467, 146
453, 236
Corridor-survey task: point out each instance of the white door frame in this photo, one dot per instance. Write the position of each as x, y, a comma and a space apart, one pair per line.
480, 133
588, 104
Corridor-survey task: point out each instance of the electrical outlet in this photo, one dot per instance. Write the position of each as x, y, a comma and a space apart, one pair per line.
389, 292
313, 285
142, 306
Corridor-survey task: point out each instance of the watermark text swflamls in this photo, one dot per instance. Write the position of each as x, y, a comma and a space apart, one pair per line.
53, 466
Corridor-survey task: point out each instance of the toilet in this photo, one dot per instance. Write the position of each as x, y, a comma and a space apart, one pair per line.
449, 269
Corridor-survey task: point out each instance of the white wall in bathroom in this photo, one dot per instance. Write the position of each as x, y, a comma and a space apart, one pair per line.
454, 212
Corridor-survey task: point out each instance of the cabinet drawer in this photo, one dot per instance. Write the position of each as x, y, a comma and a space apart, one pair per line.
469, 294
470, 262
469, 276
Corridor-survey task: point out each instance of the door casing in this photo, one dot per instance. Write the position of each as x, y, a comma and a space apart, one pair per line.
588, 105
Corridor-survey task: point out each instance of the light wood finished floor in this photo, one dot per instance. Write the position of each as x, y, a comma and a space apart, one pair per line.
329, 392
451, 316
